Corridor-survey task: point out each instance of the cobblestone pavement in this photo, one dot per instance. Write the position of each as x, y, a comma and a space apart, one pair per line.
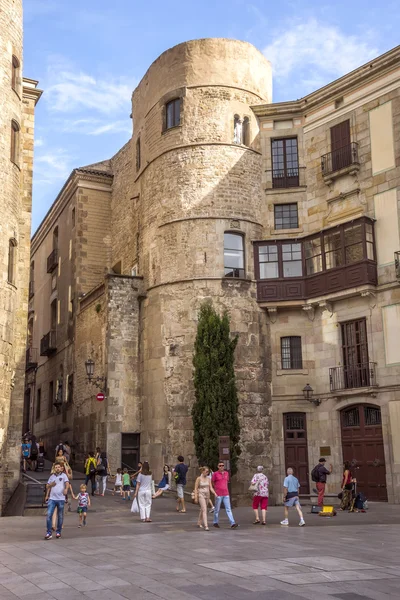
116, 557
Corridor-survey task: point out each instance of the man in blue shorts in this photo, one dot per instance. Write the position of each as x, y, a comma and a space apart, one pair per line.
291, 497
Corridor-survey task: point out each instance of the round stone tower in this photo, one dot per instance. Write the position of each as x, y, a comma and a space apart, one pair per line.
11, 215
198, 180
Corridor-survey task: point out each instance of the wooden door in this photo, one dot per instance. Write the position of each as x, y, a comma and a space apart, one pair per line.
355, 354
362, 443
296, 449
340, 145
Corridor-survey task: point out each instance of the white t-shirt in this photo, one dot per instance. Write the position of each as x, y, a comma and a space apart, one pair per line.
57, 492
145, 482
118, 479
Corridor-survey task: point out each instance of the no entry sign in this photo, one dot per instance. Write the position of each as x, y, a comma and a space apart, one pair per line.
100, 397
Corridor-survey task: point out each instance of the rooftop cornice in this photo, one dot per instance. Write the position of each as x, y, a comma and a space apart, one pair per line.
371, 70
30, 89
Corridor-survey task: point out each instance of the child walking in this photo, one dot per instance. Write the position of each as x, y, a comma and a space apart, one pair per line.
118, 483
126, 484
83, 503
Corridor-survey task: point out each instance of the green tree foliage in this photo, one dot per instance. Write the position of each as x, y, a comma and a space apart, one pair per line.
215, 410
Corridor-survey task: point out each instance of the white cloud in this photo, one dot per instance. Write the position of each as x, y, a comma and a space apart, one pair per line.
78, 91
39, 142
114, 127
309, 54
52, 166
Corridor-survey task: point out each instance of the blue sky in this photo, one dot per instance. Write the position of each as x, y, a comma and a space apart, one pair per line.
88, 55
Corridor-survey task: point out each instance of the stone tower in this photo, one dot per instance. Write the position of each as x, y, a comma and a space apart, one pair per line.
17, 101
192, 183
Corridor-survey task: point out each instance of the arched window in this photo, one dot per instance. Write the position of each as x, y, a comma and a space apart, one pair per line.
237, 129
234, 255
14, 150
246, 131
15, 74
138, 157
12, 260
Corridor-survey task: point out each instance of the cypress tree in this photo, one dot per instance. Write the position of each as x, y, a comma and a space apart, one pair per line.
215, 410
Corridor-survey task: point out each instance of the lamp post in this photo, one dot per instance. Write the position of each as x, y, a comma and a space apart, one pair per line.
99, 382
308, 395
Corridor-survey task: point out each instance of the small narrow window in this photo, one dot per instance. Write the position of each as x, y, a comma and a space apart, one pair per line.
73, 217
12, 260
233, 255
38, 403
14, 149
15, 74
246, 131
134, 271
51, 397
237, 130
291, 352
286, 216
138, 154
173, 113
70, 388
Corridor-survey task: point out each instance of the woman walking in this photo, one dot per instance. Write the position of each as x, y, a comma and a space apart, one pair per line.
90, 471
259, 486
102, 470
143, 492
347, 487
165, 483
202, 489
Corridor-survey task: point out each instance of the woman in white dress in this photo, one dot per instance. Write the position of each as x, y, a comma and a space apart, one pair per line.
143, 492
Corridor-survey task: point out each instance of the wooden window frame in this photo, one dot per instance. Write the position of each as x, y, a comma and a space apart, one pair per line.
285, 180
15, 74
12, 261
293, 354
288, 205
15, 142
176, 104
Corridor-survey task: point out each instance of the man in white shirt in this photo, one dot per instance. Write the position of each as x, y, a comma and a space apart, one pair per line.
58, 484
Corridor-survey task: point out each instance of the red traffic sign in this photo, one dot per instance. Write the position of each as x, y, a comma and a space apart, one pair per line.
100, 397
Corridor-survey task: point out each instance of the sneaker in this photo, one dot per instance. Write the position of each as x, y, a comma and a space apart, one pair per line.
84, 523
234, 526
216, 525
58, 535
285, 522
211, 511
302, 523
48, 536
79, 526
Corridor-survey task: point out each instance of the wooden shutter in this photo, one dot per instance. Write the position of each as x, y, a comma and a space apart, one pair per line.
340, 135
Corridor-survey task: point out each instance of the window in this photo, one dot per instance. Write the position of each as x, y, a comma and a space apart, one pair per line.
73, 217
51, 398
138, 154
237, 129
14, 154
268, 261
369, 239
70, 388
291, 352
173, 110
353, 243
15, 74
53, 315
291, 260
313, 255
286, 216
12, 260
38, 403
333, 249
285, 164
134, 271
233, 255
246, 131
130, 450
340, 145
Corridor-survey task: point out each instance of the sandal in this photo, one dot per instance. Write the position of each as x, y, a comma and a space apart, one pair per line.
206, 529
182, 511
257, 522
263, 523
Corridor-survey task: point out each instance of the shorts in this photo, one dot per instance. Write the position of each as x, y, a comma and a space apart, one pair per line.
260, 501
81, 509
179, 490
126, 488
292, 502
165, 488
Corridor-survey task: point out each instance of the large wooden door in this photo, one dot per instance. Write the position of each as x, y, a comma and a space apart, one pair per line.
362, 443
296, 449
340, 145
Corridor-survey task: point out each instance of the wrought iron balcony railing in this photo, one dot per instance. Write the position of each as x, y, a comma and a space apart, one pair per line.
31, 358
340, 159
52, 260
48, 343
352, 376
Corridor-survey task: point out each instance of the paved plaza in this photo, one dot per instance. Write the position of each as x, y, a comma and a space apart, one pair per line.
116, 557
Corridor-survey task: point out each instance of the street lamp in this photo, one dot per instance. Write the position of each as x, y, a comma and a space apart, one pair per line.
308, 395
99, 382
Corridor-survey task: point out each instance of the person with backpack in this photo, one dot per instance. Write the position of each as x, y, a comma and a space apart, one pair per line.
318, 475
34, 452
25, 452
180, 472
103, 470
90, 471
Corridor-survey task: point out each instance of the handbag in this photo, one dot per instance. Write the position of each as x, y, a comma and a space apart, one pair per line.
193, 494
253, 487
135, 506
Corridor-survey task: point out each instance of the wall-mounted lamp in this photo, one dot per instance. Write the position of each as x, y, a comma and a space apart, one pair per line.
99, 382
308, 395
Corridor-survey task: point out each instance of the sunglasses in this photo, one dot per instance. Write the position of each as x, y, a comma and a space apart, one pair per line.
221, 466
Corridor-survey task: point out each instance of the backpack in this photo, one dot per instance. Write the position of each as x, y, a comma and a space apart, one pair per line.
34, 450
315, 474
361, 502
102, 467
92, 466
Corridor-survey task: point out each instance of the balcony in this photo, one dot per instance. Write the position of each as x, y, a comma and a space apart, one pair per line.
31, 289
48, 343
31, 359
52, 260
352, 376
342, 161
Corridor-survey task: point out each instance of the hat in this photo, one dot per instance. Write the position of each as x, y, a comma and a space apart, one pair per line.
260, 468
322, 460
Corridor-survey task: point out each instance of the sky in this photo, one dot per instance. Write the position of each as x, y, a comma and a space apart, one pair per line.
89, 55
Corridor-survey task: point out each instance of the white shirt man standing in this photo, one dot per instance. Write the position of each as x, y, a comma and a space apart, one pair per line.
58, 484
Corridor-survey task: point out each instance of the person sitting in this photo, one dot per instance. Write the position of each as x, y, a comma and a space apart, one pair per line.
165, 483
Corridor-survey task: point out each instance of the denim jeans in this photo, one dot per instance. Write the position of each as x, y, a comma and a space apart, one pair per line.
227, 504
51, 506
92, 479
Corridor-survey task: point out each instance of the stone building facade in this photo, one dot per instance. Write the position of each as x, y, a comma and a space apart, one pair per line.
18, 97
275, 212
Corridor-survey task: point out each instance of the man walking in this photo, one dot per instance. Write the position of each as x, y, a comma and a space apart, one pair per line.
58, 484
291, 487
318, 474
180, 478
220, 480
